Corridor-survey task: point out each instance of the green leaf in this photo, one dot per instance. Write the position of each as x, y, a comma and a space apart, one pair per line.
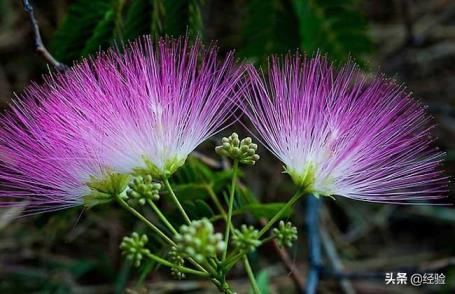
194, 171
190, 191
269, 27
194, 177
333, 27
121, 279
262, 281
267, 210
156, 26
80, 25
138, 19
81, 267
195, 22
245, 196
102, 34
221, 179
183, 16
91, 25
198, 209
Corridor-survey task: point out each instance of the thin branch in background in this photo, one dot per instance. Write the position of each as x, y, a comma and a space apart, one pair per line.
406, 12
209, 161
290, 266
332, 254
296, 276
39, 46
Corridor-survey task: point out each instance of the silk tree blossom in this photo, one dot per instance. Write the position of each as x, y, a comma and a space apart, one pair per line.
80, 134
175, 98
340, 133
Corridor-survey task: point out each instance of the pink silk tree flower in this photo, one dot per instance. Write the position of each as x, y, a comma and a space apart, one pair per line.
340, 133
141, 109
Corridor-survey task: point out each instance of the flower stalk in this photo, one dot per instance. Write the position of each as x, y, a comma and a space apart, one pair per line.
176, 200
231, 205
162, 217
178, 267
250, 274
144, 220
279, 214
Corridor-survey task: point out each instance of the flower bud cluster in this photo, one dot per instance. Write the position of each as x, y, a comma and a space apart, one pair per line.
176, 259
244, 151
246, 239
199, 240
134, 248
142, 189
285, 234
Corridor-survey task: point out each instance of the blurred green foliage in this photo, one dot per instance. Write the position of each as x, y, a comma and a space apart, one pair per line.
93, 25
332, 26
336, 28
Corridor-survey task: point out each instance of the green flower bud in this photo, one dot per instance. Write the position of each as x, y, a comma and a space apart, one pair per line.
246, 141
133, 248
199, 240
142, 188
285, 234
177, 259
242, 150
246, 239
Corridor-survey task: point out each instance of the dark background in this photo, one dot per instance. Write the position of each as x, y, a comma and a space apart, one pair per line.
411, 41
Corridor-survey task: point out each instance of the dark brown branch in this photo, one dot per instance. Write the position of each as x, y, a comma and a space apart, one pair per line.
295, 273
290, 266
209, 161
39, 46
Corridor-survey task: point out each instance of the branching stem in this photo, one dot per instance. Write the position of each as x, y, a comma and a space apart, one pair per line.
180, 268
39, 45
144, 220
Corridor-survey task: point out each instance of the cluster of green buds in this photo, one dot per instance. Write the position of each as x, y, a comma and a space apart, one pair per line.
285, 234
142, 189
176, 259
199, 240
134, 248
244, 151
246, 239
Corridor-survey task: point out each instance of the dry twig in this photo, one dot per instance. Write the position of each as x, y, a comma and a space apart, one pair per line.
39, 46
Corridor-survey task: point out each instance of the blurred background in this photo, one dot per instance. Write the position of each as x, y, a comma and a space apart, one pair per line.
76, 251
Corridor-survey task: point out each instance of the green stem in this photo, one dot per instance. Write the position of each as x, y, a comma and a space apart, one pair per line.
278, 215
236, 255
153, 227
229, 263
250, 274
216, 201
231, 206
180, 268
162, 217
265, 240
176, 200
144, 220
